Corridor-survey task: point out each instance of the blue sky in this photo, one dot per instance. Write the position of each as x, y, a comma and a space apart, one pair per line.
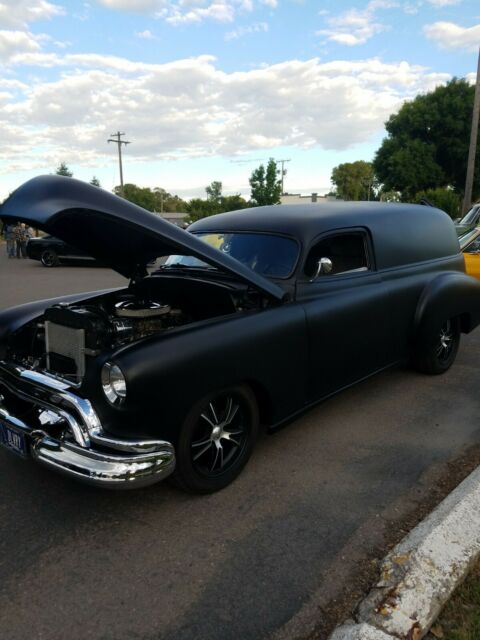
199, 85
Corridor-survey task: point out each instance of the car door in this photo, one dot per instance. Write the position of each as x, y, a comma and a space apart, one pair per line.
347, 312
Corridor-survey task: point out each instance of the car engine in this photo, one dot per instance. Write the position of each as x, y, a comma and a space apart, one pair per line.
68, 334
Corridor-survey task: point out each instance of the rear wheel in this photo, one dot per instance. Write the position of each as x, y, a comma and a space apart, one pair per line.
216, 440
49, 258
441, 355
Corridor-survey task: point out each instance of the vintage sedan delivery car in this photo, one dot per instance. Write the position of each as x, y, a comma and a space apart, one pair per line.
253, 317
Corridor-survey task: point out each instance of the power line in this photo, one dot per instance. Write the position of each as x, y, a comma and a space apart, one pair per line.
117, 138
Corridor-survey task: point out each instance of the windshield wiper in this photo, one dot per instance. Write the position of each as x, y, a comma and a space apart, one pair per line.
184, 267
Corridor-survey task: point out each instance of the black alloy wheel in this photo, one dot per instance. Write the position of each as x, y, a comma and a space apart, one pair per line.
216, 440
49, 258
441, 355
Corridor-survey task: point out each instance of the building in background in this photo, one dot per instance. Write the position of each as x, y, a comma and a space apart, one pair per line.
296, 198
175, 217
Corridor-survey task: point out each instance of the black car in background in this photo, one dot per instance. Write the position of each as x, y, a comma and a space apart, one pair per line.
51, 252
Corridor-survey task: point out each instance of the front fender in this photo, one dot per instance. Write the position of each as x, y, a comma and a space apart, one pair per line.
447, 296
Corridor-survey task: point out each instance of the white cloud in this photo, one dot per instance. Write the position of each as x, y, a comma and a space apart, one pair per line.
452, 36
20, 13
443, 3
13, 43
145, 35
257, 27
191, 109
356, 26
178, 12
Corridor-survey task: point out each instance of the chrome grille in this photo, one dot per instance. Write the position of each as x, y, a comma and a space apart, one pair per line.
66, 342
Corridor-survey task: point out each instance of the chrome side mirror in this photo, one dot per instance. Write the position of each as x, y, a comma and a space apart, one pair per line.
324, 267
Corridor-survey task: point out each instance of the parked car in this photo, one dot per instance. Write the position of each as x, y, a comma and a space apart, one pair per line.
470, 246
255, 316
52, 251
469, 221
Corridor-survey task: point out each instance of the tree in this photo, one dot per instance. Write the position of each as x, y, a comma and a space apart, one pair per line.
445, 199
141, 196
214, 192
95, 182
354, 180
63, 170
198, 208
427, 142
266, 186
233, 203
165, 202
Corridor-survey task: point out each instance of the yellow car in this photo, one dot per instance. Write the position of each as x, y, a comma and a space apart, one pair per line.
470, 246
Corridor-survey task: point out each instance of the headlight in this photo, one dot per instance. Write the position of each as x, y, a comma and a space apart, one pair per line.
113, 383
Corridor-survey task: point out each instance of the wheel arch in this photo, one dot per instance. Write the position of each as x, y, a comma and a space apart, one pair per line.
449, 295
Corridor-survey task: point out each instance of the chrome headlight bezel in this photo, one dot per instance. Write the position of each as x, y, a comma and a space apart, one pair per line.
114, 384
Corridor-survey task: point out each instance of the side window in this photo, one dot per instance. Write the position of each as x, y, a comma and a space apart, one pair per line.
346, 251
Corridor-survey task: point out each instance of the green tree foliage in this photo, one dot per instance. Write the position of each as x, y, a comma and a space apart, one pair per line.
198, 208
63, 170
233, 203
165, 202
95, 182
214, 192
141, 196
427, 143
354, 180
266, 185
156, 199
214, 203
445, 199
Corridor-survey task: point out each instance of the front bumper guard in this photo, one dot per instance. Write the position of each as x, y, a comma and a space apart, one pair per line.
118, 464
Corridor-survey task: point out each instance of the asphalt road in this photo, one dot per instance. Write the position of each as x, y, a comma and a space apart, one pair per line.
270, 556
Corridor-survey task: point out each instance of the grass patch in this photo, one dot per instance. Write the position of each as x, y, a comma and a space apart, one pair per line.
460, 619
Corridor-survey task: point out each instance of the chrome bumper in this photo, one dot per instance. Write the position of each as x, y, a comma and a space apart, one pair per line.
117, 464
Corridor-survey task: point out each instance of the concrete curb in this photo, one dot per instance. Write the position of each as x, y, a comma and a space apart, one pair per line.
418, 576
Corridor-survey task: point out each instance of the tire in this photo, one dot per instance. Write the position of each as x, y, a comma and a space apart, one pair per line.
439, 358
216, 440
49, 258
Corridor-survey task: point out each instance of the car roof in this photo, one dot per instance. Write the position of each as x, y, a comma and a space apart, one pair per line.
402, 233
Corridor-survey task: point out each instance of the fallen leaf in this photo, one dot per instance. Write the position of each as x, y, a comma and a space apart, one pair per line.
437, 631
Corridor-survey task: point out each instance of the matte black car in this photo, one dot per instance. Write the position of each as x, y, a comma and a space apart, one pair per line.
255, 316
52, 251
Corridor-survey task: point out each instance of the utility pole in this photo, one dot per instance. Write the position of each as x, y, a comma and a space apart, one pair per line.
117, 138
282, 162
467, 201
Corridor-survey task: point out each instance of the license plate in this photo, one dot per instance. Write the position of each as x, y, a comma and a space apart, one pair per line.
13, 440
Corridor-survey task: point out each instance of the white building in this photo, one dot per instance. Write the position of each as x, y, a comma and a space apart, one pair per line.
297, 198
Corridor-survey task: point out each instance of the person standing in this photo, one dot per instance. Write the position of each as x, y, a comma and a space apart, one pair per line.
10, 238
21, 240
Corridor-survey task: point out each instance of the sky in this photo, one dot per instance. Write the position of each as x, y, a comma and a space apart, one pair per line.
209, 89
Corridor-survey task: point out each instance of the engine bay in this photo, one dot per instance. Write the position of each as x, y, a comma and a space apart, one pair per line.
61, 341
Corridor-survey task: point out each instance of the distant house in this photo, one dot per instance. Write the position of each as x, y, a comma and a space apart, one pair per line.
297, 198
175, 217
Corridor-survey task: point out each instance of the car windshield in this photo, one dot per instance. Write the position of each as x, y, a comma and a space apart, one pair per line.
471, 216
268, 255
468, 238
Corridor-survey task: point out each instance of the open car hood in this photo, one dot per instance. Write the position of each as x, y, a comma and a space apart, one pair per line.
116, 232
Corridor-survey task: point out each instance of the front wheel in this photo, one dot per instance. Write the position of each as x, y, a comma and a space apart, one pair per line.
216, 440
49, 258
441, 355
